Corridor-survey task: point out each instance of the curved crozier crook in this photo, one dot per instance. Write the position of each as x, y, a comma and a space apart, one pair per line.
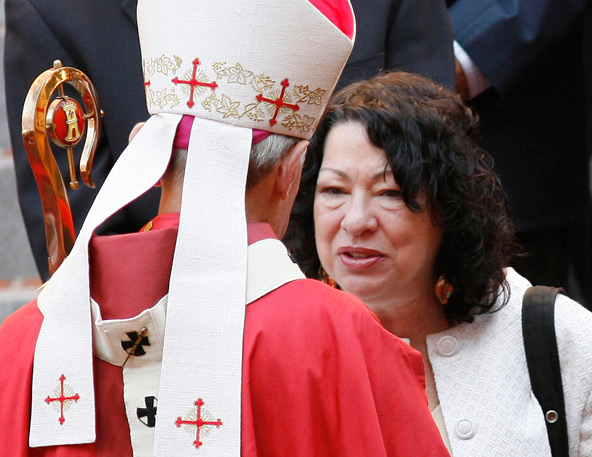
62, 120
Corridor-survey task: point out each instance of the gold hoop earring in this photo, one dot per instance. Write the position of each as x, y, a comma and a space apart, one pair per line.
443, 290
324, 277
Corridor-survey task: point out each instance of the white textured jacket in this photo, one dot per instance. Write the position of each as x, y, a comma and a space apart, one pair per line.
484, 388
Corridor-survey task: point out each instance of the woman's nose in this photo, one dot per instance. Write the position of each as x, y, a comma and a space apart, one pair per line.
358, 217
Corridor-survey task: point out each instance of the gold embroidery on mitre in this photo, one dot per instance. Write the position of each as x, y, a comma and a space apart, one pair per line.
164, 65
296, 121
312, 97
163, 98
223, 105
195, 82
228, 107
231, 108
239, 75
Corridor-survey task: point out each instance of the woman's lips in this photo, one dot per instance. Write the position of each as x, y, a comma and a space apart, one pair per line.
358, 258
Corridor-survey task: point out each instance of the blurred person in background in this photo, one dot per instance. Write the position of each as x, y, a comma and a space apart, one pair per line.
525, 67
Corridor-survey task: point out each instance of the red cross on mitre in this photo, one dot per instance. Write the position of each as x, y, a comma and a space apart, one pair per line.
278, 102
193, 83
195, 420
64, 396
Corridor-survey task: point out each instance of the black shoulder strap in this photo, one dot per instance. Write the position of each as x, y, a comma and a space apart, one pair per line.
542, 357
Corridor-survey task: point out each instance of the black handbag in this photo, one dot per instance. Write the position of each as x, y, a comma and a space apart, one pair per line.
542, 357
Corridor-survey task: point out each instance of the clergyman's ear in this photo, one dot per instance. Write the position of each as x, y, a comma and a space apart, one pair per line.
135, 131
290, 168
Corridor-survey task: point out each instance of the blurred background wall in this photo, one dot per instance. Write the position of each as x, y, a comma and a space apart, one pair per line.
18, 275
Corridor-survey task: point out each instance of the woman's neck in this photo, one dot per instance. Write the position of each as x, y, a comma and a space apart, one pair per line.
412, 319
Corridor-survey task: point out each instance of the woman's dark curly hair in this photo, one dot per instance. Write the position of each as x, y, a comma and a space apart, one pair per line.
430, 139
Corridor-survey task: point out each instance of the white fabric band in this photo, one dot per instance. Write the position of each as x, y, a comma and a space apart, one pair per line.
205, 319
64, 346
269, 267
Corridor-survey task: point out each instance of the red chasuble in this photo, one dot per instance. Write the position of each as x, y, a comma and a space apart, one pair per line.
321, 377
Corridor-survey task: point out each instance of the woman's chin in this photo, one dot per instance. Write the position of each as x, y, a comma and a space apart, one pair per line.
364, 288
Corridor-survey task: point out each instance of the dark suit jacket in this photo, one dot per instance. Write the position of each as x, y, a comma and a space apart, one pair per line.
100, 38
409, 35
533, 119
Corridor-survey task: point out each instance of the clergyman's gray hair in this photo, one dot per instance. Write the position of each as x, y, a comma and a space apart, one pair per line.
264, 156
176, 168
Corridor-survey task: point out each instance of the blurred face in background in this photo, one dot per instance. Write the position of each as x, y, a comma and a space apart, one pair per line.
368, 240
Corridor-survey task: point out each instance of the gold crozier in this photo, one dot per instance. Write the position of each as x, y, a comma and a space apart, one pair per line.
37, 125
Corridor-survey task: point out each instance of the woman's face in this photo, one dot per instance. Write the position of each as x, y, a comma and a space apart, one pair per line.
367, 239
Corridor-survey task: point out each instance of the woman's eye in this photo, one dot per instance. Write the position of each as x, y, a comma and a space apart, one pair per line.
331, 190
391, 193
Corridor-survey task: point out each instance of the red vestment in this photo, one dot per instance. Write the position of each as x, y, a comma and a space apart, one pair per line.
321, 377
